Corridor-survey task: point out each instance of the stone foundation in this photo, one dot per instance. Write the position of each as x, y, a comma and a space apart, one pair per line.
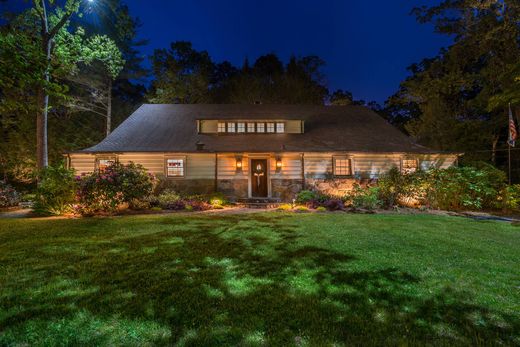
233, 189
336, 187
285, 189
188, 186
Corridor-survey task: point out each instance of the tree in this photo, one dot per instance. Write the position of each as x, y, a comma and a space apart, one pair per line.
53, 52
72, 49
457, 99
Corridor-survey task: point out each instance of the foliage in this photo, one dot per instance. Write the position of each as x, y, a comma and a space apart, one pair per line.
56, 191
453, 188
169, 200
305, 196
9, 197
185, 75
285, 207
509, 199
458, 188
333, 205
456, 100
105, 191
301, 209
364, 198
321, 209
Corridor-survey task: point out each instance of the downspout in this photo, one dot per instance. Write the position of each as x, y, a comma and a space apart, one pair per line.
216, 172
303, 170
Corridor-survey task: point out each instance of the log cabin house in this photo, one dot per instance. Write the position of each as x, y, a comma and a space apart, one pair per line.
259, 151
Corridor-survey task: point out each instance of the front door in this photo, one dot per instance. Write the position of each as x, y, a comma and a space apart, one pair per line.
259, 178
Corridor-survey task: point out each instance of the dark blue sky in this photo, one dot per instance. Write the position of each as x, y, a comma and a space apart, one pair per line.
367, 44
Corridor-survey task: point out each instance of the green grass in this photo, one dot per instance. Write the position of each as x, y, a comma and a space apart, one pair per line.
259, 279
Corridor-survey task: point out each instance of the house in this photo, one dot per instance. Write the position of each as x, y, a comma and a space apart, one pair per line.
259, 151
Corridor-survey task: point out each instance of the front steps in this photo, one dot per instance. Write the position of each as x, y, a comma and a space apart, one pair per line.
259, 203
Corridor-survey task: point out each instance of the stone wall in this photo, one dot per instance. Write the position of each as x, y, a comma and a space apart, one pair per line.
187, 186
285, 189
337, 187
233, 189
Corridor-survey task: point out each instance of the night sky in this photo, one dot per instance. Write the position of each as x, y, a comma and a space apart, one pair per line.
367, 44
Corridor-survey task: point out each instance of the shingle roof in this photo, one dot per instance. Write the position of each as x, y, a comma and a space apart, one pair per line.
173, 128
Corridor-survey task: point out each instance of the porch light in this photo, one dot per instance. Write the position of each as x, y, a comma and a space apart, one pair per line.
278, 164
238, 164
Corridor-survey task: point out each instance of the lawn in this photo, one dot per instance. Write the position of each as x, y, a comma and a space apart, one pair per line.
259, 279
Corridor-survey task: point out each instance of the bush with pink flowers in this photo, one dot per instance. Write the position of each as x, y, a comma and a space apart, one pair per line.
107, 190
8, 195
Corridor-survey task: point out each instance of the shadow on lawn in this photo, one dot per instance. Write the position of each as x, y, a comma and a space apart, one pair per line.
244, 280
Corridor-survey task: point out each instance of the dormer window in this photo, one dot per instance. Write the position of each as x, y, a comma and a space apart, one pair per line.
240, 126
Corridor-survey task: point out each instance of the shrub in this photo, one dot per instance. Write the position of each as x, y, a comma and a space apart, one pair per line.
105, 191
321, 209
456, 188
301, 209
56, 191
169, 200
305, 196
189, 208
333, 205
217, 200
285, 207
197, 204
9, 197
509, 198
365, 198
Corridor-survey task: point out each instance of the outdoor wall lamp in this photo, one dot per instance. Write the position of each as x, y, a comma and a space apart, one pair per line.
278, 164
238, 164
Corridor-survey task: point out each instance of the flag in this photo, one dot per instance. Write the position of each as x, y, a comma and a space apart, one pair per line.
512, 129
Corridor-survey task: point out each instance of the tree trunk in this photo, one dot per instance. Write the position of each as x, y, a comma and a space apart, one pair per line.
494, 150
42, 153
109, 107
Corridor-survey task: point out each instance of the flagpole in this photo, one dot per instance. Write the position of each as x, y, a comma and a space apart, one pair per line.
509, 162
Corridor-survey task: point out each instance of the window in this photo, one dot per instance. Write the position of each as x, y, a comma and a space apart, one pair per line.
427, 165
270, 127
241, 127
250, 127
103, 163
231, 127
408, 165
342, 166
280, 127
221, 127
175, 167
260, 127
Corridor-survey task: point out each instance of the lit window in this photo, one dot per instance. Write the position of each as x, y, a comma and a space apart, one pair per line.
260, 127
270, 127
221, 127
103, 163
231, 127
241, 127
280, 127
250, 127
342, 166
409, 165
175, 167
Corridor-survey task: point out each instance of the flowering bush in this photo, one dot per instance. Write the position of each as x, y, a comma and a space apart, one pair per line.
8, 195
106, 190
56, 191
